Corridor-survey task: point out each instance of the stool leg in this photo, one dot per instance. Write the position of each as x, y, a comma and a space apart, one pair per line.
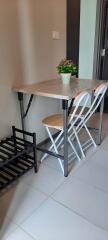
100, 122
35, 152
65, 128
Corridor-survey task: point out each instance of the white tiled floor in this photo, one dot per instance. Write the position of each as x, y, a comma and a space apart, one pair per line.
47, 206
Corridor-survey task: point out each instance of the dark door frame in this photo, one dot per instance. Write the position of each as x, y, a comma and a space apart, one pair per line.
73, 33
99, 38
73, 30
100, 43
104, 61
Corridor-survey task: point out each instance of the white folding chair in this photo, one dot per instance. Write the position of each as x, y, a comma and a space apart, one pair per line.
56, 122
98, 97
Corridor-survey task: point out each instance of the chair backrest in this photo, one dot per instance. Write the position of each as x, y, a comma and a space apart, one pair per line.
98, 97
79, 104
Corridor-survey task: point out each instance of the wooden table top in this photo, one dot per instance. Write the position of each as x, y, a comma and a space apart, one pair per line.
56, 89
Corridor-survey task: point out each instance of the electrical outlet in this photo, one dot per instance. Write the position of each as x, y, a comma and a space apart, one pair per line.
55, 35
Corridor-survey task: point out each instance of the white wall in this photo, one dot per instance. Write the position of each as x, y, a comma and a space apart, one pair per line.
40, 53
10, 65
29, 54
87, 38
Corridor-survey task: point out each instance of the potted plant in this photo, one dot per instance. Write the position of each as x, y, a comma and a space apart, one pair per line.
66, 69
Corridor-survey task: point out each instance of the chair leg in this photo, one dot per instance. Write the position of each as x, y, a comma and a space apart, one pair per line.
77, 138
90, 136
51, 147
73, 135
55, 148
74, 149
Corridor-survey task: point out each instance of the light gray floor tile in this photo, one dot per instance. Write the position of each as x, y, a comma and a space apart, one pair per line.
95, 171
52, 162
53, 221
23, 203
104, 144
87, 201
19, 234
46, 180
84, 193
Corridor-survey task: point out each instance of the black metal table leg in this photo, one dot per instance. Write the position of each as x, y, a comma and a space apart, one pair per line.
100, 122
20, 98
35, 152
65, 111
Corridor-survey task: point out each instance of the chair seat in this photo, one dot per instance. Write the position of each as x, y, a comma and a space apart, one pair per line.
54, 121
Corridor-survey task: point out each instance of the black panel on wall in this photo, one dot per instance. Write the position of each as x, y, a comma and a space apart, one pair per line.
73, 27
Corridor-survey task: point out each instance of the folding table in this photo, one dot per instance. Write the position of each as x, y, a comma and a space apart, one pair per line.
55, 88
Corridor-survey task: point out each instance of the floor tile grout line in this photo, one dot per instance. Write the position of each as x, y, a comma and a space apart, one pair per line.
29, 234
85, 161
81, 216
23, 231
91, 185
36, 209
37, 189
19, 224
48, 195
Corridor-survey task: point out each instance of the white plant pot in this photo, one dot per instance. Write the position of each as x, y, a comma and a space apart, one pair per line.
65, 77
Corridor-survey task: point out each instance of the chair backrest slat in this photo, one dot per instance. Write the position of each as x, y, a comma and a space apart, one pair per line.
81, 100
98, 97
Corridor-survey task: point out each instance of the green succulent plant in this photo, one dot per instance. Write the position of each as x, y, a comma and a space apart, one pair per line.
67, 66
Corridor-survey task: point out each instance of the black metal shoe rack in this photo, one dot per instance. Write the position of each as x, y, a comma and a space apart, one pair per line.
17, 156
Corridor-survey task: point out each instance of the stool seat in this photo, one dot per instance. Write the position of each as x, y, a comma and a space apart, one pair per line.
54, 121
